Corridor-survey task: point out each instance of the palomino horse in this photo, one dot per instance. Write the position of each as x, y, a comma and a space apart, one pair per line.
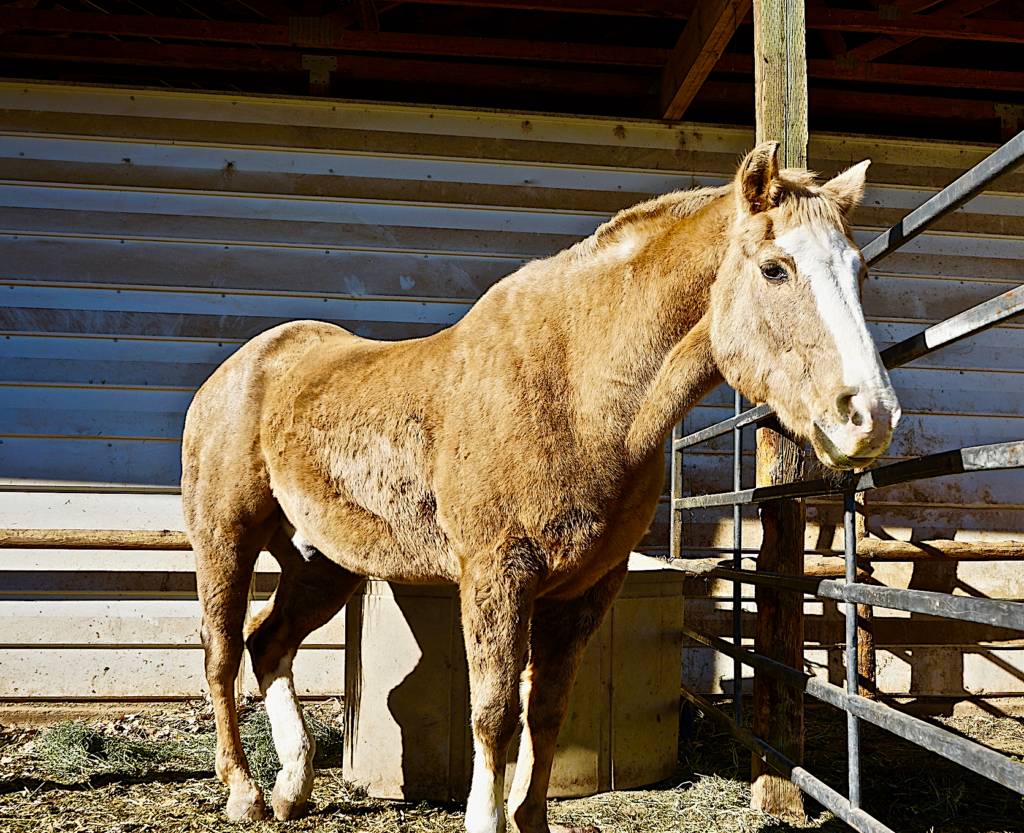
519, 453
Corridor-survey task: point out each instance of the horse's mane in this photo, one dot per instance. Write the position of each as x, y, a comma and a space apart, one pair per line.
793, 184
675, 204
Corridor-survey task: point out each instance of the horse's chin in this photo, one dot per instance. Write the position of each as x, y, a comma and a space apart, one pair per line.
833, 457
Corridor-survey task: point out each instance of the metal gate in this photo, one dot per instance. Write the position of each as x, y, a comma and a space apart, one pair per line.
977, 757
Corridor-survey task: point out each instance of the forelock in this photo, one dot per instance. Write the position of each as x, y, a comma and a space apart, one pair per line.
803, 203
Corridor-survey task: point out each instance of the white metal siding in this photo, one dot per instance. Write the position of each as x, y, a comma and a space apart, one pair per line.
145, 235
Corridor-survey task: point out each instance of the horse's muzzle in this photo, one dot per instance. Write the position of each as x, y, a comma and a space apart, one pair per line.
863, 432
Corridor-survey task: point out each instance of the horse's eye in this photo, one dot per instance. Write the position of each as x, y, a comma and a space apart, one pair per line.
774, 272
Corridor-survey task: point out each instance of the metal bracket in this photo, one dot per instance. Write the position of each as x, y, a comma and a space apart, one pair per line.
1009, 114
320, 67
846, 61
889, 12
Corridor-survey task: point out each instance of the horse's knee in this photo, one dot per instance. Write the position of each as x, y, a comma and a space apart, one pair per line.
495, 721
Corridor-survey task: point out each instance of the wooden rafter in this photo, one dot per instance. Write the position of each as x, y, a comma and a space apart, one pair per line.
704, 38
834, 42
735, 96
878, 47
918, 26
978, 79
264, 34
679, 9
364, 67
368, 21
272, 10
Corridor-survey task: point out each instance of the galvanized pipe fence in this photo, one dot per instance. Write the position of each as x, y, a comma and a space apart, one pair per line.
1006, 614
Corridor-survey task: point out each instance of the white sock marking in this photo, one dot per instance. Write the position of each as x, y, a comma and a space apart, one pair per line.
295, 746
485, 810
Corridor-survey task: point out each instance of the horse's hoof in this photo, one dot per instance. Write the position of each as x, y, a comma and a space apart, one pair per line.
246, 804
287, 804
285, 810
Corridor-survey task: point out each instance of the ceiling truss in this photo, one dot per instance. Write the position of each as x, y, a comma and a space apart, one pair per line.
923, 67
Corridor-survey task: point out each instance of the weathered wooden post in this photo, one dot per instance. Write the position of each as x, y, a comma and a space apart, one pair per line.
780, 84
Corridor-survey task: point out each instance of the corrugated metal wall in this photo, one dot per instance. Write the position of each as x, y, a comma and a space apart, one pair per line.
144, 235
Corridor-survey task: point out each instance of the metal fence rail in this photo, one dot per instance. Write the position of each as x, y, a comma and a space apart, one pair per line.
1006, 614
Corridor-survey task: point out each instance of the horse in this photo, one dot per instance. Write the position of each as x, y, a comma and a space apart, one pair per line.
518, 453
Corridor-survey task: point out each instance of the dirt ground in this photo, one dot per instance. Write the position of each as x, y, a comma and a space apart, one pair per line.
151, 770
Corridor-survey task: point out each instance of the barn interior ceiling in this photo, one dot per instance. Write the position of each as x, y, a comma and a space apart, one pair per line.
949, 69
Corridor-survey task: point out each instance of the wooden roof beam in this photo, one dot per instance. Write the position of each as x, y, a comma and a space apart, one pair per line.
368, 21
362, 67
854, 104
834, 42
264, 34
272, 10
702, 43
919, 26
675, 9
878, 47
977, 79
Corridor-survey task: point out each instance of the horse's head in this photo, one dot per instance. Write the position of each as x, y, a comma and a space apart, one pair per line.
787, 326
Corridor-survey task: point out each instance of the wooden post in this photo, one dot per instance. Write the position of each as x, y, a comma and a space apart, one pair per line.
778, 708
866, 666
780, 92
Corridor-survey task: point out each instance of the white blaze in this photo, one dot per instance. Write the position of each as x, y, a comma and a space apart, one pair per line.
832, 265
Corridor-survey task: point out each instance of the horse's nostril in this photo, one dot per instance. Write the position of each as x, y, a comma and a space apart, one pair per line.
857, 418
844, 404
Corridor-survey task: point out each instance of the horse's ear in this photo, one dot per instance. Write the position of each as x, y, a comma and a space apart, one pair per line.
847, 188
757, 180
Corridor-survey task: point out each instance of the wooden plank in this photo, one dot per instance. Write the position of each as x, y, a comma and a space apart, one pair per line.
116, 539
328, 164
628, 8
339, 213
368, 40
701, 44
833, 41
153, 673
38, 296
732, 96
95, 539
367, 16
121, 623
920, 26
891, 73
881, 46
348, 66
272, 10
85, 511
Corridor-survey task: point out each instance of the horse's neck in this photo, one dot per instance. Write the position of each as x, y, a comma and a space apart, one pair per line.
629, 311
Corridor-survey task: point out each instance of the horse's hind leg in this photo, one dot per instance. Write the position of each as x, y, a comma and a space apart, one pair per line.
225, 558
308, 595
559, 633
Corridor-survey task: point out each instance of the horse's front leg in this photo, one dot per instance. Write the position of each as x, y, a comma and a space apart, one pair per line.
496, 600
559, 633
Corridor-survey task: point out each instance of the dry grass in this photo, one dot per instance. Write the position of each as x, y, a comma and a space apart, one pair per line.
136, 774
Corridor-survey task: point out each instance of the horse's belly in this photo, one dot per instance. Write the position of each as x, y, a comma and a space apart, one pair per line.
371, 512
